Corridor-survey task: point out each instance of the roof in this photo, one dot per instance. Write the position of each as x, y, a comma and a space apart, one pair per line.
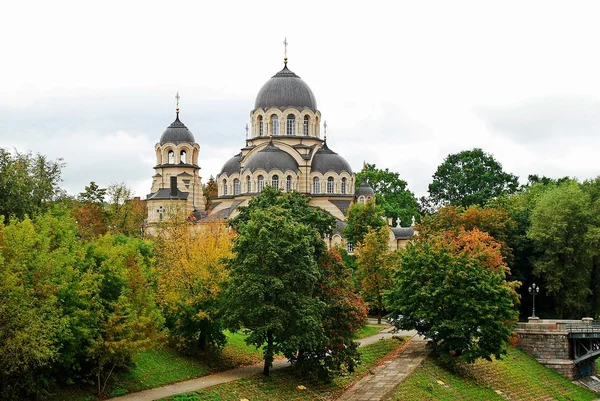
327, 160
232, 165
165, 193
177, 133
285, 89
343, 205
271, 158
364, 189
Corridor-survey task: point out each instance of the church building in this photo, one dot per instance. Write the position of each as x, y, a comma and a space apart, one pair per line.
285, 147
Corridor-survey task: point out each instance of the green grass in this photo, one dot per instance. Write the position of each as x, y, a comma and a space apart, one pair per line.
368, 330
158, 367
517, 377
283, 384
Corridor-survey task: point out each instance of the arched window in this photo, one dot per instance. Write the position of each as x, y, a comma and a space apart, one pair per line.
261, 183
183, 157
274, 125
350, 247
275, 181
288, 184
305, 126
291, 124
248, 184
330, 185
361, 199
343, 189
316, 186
236, 187
260, 126
224, 187
171, 157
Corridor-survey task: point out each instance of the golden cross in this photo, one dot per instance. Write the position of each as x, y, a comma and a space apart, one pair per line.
285, 43
177, 99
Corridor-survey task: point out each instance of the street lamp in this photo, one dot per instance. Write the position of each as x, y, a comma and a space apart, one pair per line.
533, 289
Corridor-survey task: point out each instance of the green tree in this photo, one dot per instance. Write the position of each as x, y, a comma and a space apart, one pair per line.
374, 268
92, 194
363, 217
391, 193
453, 290
273, 275
210, 190
27, 183
563, 233
470, 177
125, 214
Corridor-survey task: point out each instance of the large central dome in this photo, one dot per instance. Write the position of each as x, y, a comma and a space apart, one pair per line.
285, 89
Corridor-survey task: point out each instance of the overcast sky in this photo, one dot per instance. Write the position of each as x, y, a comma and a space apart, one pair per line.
401, 84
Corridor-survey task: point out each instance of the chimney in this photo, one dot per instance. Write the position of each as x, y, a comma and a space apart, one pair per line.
173, 186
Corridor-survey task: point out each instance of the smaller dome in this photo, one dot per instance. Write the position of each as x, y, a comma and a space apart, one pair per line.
364, 189
177, 133
326, 160
232, 165
271, 158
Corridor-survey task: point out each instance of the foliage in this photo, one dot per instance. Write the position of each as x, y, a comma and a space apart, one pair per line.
343, 316
191, 275
27, 183
92, 194
124, 214
562, 231
470, 177
453, 290
363, 217
391, 193
210, 190
374, 268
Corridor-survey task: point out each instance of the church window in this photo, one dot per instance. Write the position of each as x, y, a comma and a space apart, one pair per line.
288, 184
248, 184
291, 124
171, 157
236, 187
260, 126
343, 186
350, 247
183, 157
361, 199
261, 183
274, 125
275, 181
224, 187
305, 126
316, 186
330, 185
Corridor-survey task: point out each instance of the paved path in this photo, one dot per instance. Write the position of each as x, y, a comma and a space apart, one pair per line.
379, 385
231, 375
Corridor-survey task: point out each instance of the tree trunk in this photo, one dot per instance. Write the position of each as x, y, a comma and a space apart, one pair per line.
268, 354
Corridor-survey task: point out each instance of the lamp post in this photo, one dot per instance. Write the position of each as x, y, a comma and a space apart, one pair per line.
533, 290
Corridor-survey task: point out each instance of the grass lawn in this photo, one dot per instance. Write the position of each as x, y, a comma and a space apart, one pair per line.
157, 367
517, 377
368, 330
283, 384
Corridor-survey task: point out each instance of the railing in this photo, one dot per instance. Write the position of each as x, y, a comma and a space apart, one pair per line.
592, 327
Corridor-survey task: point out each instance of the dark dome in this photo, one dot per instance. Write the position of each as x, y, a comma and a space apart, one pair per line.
232, 165
177, 133
364, 189
271, 158
327, 160
285, 89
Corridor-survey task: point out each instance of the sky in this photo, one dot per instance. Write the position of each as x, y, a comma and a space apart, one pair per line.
401, 84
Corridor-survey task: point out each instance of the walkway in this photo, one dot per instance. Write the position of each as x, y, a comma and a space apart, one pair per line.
379, 385
231, 375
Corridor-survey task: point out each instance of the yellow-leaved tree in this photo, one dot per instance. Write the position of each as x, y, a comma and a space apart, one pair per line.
191, 273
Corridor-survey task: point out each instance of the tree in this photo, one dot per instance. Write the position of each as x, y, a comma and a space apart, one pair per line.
374, 267
391, 193
273, 276
470, 177
344, 313
453, 290
92, 194
125, 214
211, 191
563, 233
191, 276
363, 217
27, 183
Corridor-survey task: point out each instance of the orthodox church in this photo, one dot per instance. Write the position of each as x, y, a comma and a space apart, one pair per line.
284, 148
